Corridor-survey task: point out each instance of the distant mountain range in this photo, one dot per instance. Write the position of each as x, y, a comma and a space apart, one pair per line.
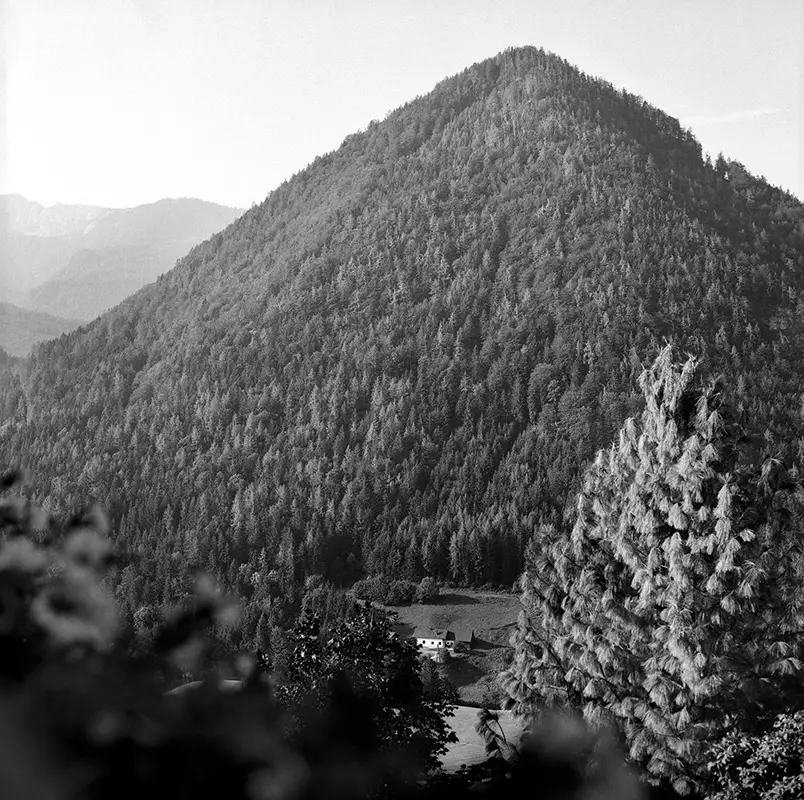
33, 219
76, 261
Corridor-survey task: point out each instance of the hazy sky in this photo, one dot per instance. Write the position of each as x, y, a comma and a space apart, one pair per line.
120, 102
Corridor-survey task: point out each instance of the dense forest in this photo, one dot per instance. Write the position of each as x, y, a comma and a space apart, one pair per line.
402, 360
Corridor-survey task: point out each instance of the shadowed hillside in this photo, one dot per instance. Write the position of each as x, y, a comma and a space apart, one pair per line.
21, 329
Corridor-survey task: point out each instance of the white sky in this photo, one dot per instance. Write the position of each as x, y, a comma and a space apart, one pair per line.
121, 102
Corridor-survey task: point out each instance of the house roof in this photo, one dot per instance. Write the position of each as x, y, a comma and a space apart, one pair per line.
429, 633
464, 634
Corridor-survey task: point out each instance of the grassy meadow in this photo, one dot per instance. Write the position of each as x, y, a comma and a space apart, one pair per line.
492, 616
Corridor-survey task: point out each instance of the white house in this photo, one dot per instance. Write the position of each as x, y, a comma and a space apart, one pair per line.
433, 640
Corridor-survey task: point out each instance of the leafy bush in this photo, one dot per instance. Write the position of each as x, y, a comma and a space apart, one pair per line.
400, 592
379, 589
762, 767
374, 589
51, 599
427, 591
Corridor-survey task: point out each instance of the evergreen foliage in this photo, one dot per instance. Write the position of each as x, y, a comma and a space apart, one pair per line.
673, 608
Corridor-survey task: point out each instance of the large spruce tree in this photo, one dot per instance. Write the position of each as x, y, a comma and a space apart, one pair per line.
673, 608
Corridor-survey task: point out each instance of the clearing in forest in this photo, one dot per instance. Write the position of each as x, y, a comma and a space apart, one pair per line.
492, 616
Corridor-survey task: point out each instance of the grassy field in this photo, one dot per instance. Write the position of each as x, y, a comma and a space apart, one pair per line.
492, 617
470, 749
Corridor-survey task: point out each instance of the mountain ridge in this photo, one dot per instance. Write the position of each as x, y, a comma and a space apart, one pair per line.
28, 217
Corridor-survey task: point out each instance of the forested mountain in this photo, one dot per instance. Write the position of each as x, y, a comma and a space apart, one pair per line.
400, 361
77, 261
21, 329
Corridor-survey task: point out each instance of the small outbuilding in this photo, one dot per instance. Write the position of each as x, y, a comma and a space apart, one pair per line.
464, 639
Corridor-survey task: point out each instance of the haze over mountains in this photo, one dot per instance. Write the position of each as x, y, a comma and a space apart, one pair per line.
29, 218
75, 261
400, 361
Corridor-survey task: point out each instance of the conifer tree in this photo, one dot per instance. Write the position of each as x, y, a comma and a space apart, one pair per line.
673, 608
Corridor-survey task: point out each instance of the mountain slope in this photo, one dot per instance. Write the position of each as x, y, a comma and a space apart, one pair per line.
400, 361
185, 220
21, 329
95, 280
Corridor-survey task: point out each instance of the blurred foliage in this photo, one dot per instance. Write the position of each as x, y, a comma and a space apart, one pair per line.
560, 758
354, 712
